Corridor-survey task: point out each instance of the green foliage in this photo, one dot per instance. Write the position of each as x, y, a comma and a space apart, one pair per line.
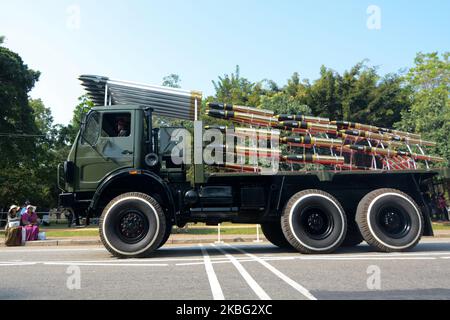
18, 130
68, 134
172, 81
16, 116
359, 95
233, 88
429, 113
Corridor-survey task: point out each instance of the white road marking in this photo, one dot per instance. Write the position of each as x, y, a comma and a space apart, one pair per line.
305, 292
17, 264
247, 277
216, 289
213, 262
107, 264
314, 258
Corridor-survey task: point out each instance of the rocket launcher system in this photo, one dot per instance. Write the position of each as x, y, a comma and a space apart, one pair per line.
341, 136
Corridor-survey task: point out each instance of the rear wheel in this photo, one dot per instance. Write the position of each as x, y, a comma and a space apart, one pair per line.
389, 220
132, 225
353, 236
313, 221
274, 234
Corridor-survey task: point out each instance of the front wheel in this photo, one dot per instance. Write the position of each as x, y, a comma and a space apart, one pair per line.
313, 221
132, 225
389, 220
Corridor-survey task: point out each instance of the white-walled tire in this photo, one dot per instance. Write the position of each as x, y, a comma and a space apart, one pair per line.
274, 234
132, 225
353, 236
313, 221
167, 234
390, 220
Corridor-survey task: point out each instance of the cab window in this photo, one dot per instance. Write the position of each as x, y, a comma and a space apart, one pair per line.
116, 125
91, 130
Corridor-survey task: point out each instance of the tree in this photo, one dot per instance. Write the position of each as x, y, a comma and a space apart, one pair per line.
172, 81
429, 113
358, 95
18, 131
2, 39
16, 115
34, 178
233, 88
67, 134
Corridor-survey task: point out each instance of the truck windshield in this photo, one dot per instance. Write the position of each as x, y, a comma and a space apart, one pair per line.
92, 129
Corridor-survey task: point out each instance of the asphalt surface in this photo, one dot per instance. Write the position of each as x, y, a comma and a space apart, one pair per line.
248, 271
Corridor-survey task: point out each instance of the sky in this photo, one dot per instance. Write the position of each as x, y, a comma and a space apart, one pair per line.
145, 40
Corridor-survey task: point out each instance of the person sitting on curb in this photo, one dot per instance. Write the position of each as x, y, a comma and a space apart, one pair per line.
13, 229
30, 222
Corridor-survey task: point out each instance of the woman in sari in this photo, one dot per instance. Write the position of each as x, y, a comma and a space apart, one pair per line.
30, 222
13, 229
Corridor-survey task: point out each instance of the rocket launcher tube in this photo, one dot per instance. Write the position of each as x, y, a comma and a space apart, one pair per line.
314, 158
306, 141
401, 133
242, 117
309, 126
365, 127
244, 109
300, 117
345, 136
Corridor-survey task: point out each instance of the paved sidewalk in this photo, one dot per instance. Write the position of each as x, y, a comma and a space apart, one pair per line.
174, 239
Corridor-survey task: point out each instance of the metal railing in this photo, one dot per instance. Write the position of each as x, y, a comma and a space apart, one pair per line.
57, 217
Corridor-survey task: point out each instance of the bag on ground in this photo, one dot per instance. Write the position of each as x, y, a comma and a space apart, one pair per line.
13, 237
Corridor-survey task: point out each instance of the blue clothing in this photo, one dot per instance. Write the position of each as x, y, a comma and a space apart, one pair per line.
22, 211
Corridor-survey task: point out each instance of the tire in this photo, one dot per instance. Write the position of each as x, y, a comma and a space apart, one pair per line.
167, 234
132, 225
274, 234
389, 220
353, 236
313, 221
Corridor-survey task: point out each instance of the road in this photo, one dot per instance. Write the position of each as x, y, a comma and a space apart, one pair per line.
231, 272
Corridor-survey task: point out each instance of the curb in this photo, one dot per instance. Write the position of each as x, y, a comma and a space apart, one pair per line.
81, 242
93, 242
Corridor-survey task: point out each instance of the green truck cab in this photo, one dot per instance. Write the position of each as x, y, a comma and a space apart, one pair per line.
120, 168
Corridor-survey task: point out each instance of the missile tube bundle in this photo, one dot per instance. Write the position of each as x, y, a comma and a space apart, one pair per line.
305, 139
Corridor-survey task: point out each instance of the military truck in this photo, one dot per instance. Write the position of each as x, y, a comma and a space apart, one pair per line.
120, 168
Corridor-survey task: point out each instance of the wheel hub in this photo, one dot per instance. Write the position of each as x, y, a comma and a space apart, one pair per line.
316, 223
394, 222
132, 226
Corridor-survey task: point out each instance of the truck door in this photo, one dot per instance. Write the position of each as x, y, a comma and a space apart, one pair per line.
106, 145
